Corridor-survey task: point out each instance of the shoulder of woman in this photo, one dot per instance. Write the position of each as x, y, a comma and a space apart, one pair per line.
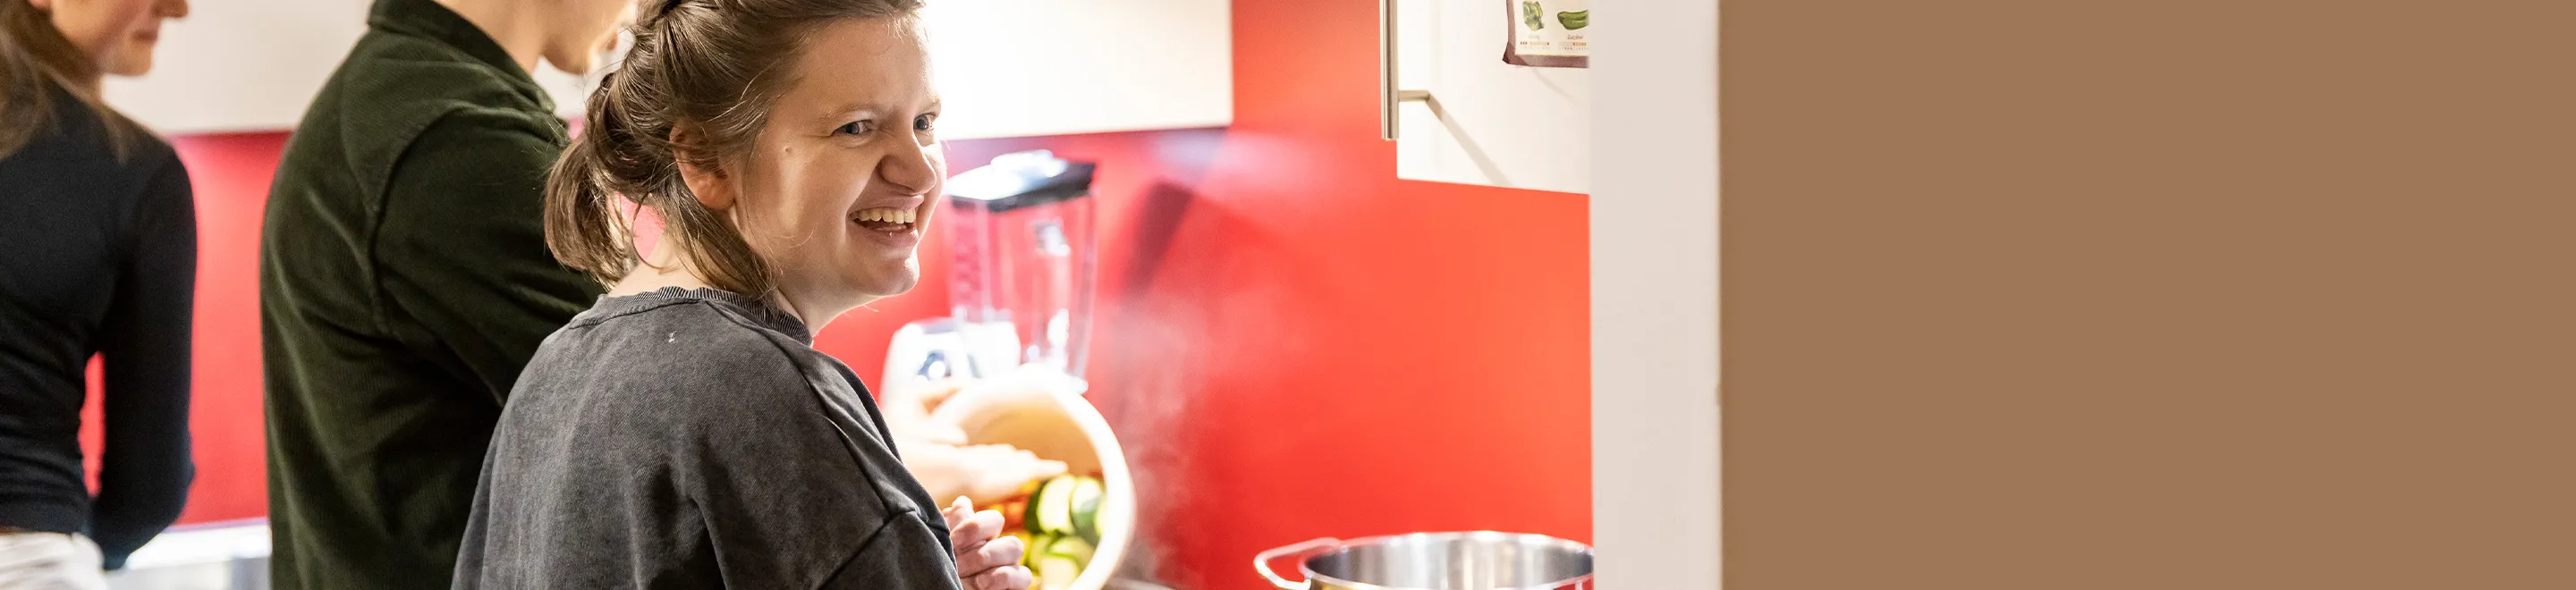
694, 348
154, 155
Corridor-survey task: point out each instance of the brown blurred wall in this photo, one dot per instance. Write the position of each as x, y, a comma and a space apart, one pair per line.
2048, 294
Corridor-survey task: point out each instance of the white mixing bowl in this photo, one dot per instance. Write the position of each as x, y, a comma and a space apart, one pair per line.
1048, 417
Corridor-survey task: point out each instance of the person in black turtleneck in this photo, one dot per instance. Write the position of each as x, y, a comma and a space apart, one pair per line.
101, 231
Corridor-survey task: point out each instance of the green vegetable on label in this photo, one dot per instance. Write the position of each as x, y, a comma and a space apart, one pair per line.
1574, 20
1533, 15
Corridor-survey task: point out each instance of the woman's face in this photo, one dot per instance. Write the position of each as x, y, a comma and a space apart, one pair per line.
837, 189
118, 34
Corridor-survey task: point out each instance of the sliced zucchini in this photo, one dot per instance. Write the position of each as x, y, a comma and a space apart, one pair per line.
1051, 511
1073, 548
1056, 572
1086, 509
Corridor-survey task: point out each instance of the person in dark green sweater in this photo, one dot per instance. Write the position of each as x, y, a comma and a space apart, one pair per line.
404, 280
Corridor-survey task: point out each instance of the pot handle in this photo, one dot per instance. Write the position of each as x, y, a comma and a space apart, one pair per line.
1261, 562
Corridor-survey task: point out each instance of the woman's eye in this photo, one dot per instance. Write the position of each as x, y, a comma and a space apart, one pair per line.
922, 123
856, 128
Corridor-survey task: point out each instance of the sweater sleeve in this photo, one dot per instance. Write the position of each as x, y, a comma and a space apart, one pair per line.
145, 468
784, 501
462, 248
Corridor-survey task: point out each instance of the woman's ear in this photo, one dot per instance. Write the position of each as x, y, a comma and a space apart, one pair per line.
709, 184
43, 5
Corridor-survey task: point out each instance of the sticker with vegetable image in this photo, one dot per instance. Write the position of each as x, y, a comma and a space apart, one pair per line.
1574, 20
1536, 42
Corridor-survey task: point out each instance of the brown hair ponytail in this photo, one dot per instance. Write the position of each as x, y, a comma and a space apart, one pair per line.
35, 59
707, 65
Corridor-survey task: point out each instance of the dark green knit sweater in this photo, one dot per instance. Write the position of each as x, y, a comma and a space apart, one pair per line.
404, 281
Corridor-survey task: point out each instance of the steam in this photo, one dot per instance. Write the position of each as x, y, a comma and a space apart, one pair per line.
1145, 406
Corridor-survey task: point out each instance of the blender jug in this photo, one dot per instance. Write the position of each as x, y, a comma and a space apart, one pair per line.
1020, 284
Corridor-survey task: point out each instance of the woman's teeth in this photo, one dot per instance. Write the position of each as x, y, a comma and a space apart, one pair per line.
885, 219
886, 214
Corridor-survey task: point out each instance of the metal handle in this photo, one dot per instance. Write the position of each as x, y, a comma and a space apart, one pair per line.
1391, 94
1262, 561
1386, 84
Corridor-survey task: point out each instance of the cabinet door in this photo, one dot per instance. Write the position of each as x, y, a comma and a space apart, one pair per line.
1008, 68
1465, 116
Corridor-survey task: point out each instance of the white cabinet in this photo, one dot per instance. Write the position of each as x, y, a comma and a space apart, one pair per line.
1470, 118
1005, 68
1008, 68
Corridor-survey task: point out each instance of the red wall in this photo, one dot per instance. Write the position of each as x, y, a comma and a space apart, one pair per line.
230, 175
1291, 343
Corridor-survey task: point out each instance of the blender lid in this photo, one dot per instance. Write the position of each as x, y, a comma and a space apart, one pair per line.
1022, 179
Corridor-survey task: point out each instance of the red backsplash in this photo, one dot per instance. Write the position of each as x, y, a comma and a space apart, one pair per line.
1291, 342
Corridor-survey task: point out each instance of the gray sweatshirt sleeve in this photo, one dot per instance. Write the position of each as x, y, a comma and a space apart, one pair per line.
788, 504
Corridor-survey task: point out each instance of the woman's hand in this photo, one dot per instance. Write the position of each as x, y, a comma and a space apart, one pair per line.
907, 414
986, 560
937, 454
983, 473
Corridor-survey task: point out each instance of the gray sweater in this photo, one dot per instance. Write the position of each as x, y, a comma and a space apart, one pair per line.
695, 439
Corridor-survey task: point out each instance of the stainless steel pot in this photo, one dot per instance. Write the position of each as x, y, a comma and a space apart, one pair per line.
1483, 560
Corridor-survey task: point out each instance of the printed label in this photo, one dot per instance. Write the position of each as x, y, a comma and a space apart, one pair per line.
1552, 28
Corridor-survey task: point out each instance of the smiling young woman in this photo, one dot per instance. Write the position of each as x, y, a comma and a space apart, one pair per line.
683, 433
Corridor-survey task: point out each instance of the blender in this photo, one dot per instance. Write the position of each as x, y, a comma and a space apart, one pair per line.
1019, 326
1022, 260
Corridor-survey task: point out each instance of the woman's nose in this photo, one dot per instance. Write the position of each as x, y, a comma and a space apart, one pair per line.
912, 167
173, 8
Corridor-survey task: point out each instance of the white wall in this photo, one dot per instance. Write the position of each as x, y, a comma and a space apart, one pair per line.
1654, 294
204, 80
238, 65
1006, 68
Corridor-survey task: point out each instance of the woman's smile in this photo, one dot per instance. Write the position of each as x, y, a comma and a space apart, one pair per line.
897, 228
